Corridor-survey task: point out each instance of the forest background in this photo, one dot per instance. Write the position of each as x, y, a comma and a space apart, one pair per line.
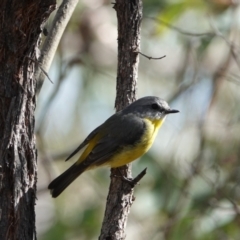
192, 184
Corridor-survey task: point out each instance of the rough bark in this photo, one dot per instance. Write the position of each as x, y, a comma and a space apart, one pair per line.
20, 29
120, 197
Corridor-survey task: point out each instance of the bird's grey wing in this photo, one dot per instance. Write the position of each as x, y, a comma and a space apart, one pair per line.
84, 143
120, 132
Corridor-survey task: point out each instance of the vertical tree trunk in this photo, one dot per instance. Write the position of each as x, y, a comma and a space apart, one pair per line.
120, 197
20, 28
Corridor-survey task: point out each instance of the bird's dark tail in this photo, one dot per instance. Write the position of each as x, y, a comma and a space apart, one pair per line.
65, 179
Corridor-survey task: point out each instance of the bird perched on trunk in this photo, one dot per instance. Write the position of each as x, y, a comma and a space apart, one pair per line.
121, 139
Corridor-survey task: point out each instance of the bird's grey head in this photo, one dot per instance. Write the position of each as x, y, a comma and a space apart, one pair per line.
150, 107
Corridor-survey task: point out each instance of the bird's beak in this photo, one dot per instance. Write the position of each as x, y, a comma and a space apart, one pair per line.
168, 111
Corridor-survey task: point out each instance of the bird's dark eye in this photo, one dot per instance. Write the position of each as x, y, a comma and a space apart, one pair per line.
155, 106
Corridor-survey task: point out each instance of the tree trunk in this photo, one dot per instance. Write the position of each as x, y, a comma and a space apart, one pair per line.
120, 197
20, 28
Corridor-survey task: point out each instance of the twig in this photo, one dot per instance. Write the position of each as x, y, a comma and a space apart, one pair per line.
231, 45
39, 65
180, 30
132, 182
137, 179
233, 79
151, 57
48, 103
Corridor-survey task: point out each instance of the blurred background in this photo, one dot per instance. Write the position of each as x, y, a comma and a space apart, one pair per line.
191, 190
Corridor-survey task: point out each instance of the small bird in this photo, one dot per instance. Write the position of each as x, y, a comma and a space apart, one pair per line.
121, 139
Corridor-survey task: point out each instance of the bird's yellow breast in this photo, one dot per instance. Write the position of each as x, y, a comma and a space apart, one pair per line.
131, 153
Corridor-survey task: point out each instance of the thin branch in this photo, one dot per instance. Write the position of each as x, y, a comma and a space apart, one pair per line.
51, 98
233, 79
151, 57
231, 45
137, 179
170, 26
39, 65
50, 45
